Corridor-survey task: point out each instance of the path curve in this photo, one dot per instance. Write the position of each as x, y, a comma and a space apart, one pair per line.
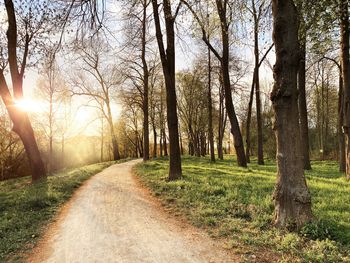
111, 219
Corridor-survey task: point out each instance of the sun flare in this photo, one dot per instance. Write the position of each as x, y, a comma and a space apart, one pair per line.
29, 105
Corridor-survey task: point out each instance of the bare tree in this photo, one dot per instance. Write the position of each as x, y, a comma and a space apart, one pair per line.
224, 13
35, 21
106, 76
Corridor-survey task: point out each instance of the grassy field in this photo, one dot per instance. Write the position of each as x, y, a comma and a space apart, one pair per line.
25, 209
236, 204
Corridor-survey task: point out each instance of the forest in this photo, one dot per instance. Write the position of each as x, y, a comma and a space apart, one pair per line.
239, 110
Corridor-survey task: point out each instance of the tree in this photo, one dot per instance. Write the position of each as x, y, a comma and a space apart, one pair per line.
224, 12
51, 89
345, 65
98, 80
168, 63
138, 62
258, 11
292, 197
193, 109
20, 37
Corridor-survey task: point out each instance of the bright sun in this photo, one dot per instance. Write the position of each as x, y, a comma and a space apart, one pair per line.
29, 105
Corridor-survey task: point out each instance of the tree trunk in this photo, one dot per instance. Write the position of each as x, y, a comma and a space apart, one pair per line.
165, 146
345, 65
160, 143
50, 131
203, 144
292, 197
20, 119
304, 127
222, 121
210, 112
181, 144
116, 155
145, 86
235, 130
154, 141
258, 100
102, 139
249, 120
341, 139
168, 65
23, 128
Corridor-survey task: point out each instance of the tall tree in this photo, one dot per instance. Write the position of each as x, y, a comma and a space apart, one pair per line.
28, 29
168, 63
257, 10
292, 197
136, 58
145, 83
345, 65
224, 13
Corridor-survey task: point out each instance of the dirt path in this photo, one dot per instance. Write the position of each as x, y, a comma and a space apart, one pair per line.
112, 220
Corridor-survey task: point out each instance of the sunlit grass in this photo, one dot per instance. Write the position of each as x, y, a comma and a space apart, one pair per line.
236, 203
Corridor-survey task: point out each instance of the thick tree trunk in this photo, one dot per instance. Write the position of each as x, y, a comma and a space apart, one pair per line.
20, 119
26, 133
292, 197
23, 128
345, 65
304, 127
168, 64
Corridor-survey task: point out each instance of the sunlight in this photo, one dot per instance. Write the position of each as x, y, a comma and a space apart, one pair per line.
83, 115
29, 105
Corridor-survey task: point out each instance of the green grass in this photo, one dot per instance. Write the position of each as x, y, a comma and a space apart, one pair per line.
25, 209
236, 204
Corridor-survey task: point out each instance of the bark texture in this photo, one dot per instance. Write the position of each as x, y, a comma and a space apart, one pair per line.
345, 65
304, 127
168, 65
292, 197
